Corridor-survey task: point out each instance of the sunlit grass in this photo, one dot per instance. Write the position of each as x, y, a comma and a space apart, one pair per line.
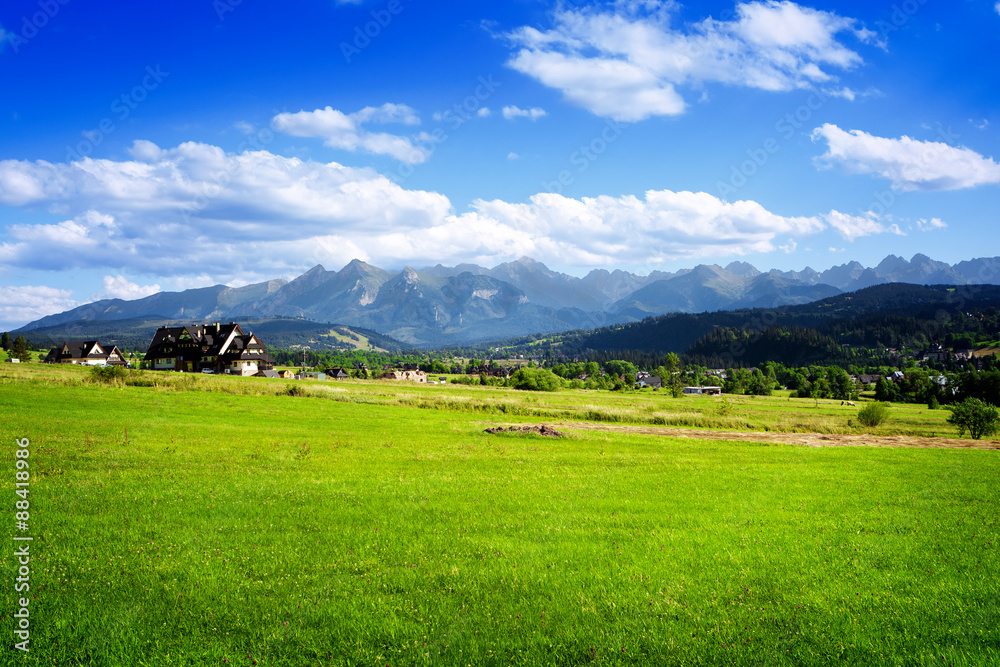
177, 524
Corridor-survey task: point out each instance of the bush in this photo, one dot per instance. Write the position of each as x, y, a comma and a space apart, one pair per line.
874, 414
296, 390
108, 374
976, 417
535, 379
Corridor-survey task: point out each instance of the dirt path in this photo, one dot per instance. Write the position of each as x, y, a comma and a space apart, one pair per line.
802, 439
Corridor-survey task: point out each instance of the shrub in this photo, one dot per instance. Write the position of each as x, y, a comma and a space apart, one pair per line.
874, 414
108, 374
976, 417
535, 379
296, 390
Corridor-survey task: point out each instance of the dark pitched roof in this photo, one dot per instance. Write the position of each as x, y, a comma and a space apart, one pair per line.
77, 349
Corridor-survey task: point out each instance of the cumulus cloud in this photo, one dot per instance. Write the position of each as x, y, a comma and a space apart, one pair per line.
25, 303
626, 62
997, 7
853, 227
176, 211
511, 112
662, 225
907, 163
119, 287
346, 132
196, 215
925, 225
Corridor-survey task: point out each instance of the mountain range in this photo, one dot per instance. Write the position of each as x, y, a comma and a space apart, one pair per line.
438, 306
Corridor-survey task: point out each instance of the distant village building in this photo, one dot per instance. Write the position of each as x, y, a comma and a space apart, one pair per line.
337, 374
89, 352
411, 376
208, 348
937, 353
703, 391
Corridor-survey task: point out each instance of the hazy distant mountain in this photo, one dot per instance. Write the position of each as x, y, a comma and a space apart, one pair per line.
204, 303
442, 305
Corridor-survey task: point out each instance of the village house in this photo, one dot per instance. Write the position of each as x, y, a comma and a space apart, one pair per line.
208, 348
89, 352
650, 381
703, 391
937, 353
337, 373
412, 376
869, 379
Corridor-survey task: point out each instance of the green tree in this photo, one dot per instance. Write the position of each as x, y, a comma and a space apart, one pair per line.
885, 390
20, 349
673, 362
535, 379
6, 342
760, 384
974, 416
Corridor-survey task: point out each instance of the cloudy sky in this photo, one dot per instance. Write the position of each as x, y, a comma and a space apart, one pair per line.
166, 145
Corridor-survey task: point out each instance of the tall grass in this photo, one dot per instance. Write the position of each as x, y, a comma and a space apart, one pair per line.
192, 525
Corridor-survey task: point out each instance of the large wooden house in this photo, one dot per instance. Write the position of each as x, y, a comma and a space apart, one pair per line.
208, 348
89, 352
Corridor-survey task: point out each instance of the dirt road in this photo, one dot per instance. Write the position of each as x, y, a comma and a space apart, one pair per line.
802, 439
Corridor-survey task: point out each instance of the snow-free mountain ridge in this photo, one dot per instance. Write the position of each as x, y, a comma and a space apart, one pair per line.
440, 305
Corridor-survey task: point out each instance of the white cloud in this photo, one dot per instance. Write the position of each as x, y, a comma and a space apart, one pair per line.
345, 131
925, 225
626, 64
908, 163
244, 127
484, 112
853, 227
119, 287
513, 156
195, 215
789, 247
628, 230
177, 211
25, 303
997, 7
510, 112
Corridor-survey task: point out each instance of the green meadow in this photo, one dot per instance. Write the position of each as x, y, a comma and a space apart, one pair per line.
189, 520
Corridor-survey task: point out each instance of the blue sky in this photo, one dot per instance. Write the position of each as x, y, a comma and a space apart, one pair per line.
161, 146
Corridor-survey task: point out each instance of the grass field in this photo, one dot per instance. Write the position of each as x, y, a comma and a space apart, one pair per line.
219, 521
